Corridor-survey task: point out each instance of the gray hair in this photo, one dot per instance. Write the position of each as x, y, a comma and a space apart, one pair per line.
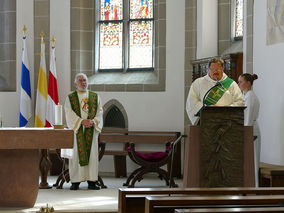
78, 75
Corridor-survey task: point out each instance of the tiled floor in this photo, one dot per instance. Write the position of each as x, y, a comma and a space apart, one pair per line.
84, 200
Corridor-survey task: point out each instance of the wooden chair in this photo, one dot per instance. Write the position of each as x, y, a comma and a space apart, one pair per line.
150, 162
65, 177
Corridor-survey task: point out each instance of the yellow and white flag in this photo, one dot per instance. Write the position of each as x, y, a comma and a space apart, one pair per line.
41, 96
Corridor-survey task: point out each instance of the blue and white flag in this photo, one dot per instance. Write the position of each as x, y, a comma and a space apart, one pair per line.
25, 97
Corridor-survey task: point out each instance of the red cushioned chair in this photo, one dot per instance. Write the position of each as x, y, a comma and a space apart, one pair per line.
150, 162
64, 176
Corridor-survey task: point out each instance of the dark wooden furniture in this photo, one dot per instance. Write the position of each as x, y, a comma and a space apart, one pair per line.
151, 162
139, 137
56, 162
219, 153
19, 161
133, 199
167, 204
233, 66
238, 209
65, 177
271, 175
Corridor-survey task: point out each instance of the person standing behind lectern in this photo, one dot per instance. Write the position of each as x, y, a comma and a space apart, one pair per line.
251, 114
227, 93
84, 114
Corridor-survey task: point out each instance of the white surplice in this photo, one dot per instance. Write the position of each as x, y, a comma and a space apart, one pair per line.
90, 172
232, 97
250, 119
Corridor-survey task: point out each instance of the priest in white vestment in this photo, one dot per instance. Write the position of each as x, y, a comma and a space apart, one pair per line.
229, 94
84, 114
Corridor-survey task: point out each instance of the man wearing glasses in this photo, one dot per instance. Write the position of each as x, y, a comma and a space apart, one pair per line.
227, 93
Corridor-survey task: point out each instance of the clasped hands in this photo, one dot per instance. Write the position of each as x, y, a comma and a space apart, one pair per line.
87, 123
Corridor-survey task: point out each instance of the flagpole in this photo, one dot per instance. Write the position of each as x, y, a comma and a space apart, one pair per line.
53, 41
25, 92
24, 30
53, 99
45, 163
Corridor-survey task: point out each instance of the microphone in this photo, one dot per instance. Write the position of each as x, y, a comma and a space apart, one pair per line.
219, 83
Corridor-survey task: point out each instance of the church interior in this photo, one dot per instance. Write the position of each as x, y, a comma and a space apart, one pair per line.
143, 95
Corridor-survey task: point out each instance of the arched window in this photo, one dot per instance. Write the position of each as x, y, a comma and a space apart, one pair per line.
126, 29
238, 17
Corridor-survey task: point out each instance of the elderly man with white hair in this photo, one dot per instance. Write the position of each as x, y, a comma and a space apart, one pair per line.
84, 114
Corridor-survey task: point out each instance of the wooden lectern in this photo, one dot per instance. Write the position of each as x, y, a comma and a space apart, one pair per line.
19, 161
219, 152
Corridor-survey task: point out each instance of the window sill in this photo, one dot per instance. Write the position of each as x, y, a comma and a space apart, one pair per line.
126, 82
124, 78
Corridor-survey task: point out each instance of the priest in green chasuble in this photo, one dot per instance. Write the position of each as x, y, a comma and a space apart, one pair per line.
226, 94
84, 114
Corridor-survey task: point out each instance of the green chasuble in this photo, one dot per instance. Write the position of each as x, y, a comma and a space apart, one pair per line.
217, 92
84, 137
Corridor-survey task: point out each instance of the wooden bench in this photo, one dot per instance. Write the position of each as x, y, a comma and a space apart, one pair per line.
133, 200
271, 175
159, 204
222, 210
139, 137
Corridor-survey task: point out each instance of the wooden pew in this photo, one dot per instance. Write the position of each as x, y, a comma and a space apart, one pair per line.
139, 137
159, 204
133, 200
222, 210
271, 175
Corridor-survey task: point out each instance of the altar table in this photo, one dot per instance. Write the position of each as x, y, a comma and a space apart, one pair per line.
19, 161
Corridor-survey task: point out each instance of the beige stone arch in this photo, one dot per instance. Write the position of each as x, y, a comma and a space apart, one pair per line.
109, 113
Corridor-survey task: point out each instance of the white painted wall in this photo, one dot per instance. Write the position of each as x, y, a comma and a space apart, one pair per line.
269, 66
207, 28
10, 101
245, 38
60, 29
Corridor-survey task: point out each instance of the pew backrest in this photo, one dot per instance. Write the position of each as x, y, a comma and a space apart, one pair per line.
167, 204
134, 198
222, 210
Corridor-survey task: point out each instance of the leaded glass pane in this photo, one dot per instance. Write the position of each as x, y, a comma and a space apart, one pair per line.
110, 46
141, 41
239, 18
111, 10
141, 9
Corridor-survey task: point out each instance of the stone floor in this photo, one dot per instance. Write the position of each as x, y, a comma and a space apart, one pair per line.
84, 200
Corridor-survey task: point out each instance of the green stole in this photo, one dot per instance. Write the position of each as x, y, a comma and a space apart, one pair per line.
84, 137
217, 92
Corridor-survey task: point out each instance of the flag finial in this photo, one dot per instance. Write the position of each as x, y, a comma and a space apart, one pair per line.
42, 35
24, 29
53, 41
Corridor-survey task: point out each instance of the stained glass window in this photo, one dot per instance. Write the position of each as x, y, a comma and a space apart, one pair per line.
239, 6
140, 50
111, 10
111, 46
141, 34
126, 42
141, 9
